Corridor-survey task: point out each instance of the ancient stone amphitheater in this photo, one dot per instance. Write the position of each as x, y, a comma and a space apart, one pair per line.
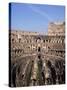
37, 59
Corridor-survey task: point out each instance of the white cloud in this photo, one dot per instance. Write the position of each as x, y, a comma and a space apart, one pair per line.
42, 13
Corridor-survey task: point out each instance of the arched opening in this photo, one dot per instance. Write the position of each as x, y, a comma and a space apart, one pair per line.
39, 49
39, 56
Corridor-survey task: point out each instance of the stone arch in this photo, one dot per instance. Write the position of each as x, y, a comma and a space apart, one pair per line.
39, 49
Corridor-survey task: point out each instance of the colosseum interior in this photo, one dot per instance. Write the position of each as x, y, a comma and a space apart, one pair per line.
37, 59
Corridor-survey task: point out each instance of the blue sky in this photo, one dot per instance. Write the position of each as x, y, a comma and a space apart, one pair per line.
35, 17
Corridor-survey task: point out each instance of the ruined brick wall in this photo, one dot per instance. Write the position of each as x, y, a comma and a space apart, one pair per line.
28, 44
56, 28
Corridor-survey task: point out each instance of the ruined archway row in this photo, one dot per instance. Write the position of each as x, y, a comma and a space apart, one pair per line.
25, 44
